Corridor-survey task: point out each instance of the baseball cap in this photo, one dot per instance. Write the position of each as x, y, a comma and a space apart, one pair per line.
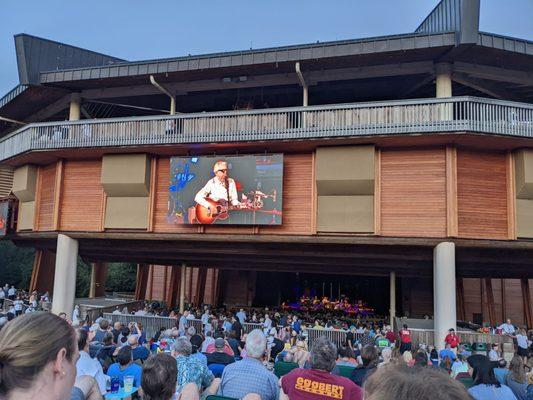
219, 343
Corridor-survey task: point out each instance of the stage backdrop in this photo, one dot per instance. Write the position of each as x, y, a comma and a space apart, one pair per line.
258, 180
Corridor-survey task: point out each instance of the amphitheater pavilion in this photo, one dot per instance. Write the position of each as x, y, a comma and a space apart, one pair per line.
407, 170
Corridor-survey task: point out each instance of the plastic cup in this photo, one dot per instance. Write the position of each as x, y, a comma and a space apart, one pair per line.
128, 383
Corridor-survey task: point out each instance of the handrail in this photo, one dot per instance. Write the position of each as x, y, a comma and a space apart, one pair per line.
443, 115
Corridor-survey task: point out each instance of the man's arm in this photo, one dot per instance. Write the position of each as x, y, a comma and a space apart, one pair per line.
233, 193
202, 194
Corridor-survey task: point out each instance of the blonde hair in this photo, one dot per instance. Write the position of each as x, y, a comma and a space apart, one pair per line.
28, 344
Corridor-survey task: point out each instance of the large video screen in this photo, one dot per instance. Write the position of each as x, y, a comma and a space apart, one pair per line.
231, 190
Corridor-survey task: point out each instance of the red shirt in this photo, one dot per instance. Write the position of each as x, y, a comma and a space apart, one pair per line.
405, 335
452, 339
312, 384
391, 336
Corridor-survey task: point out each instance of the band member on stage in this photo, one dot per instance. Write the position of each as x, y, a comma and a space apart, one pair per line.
220, 187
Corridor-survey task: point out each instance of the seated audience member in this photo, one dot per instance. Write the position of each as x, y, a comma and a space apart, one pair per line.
386, 355
494, 354
28, 372
125, 366
116, 331
397, 381
207, 341
421, 359
300, 353
158, 380
139, 352
105, 353
529, 390
219, 357
485, 386
250, 375
447, 352
285, 365
103, 326
516, 379
233, 342
196, 343
318, 382
344, 357
87, 365
227, 348
370, 359
459, 366
192, 370
434, 357
501, 371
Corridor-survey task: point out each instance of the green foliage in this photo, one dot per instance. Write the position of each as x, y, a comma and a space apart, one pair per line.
121, 277
16, 264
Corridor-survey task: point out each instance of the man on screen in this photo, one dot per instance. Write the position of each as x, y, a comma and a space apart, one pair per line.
221, 187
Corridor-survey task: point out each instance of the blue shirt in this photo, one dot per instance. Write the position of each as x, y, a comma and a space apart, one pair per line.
191, 369
132, 369
447, 353
201, 357
248, 376
491, 392
500, 374
140, 353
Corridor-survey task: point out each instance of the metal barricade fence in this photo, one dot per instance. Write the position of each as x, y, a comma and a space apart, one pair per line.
150, 324
337, 336
250, 326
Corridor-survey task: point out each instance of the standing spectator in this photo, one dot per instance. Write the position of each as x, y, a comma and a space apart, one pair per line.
405, 339
125, 366
522, 344
12, 293
236, 327
76, 315
87, 365
2, 297
296, 324
350, 337
486, 386
318, 382
250, 375
38, 353
516, 379
182, 323
241, 315
507, 328
192, 370
17, 305
452, 339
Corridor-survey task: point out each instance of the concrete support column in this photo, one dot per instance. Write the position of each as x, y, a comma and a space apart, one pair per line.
75, 107
65, 275
92, 286
392, 287
182, 287
443, 80
444, 301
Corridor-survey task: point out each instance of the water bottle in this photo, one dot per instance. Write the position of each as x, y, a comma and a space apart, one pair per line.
107, 383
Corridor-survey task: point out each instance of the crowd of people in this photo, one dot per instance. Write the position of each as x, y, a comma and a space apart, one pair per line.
274, 361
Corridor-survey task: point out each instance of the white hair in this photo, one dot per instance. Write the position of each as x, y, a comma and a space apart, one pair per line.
182, 346
255, 344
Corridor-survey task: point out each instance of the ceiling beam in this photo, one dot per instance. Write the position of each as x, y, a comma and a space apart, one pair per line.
482, 86
494, 73
289, 78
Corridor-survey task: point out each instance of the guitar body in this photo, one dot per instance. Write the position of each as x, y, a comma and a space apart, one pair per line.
204, 215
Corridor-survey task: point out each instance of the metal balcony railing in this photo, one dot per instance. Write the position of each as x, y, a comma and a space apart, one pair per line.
330, 121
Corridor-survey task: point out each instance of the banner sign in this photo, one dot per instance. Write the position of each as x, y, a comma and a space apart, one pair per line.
231, 190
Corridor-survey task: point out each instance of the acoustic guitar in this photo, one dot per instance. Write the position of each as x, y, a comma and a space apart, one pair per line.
206, 217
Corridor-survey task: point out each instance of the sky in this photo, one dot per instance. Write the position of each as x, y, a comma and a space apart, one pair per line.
140, 30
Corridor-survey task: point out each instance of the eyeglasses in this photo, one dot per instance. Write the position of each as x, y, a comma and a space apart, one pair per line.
222, 170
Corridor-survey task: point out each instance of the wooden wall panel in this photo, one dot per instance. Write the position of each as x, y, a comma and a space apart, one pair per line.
46, 201
482, 195
297, 200
472, 296
514, 307
413, 192
298, 194
81, 196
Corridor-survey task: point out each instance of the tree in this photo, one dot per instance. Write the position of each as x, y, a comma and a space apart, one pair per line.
16, 264
121, 277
